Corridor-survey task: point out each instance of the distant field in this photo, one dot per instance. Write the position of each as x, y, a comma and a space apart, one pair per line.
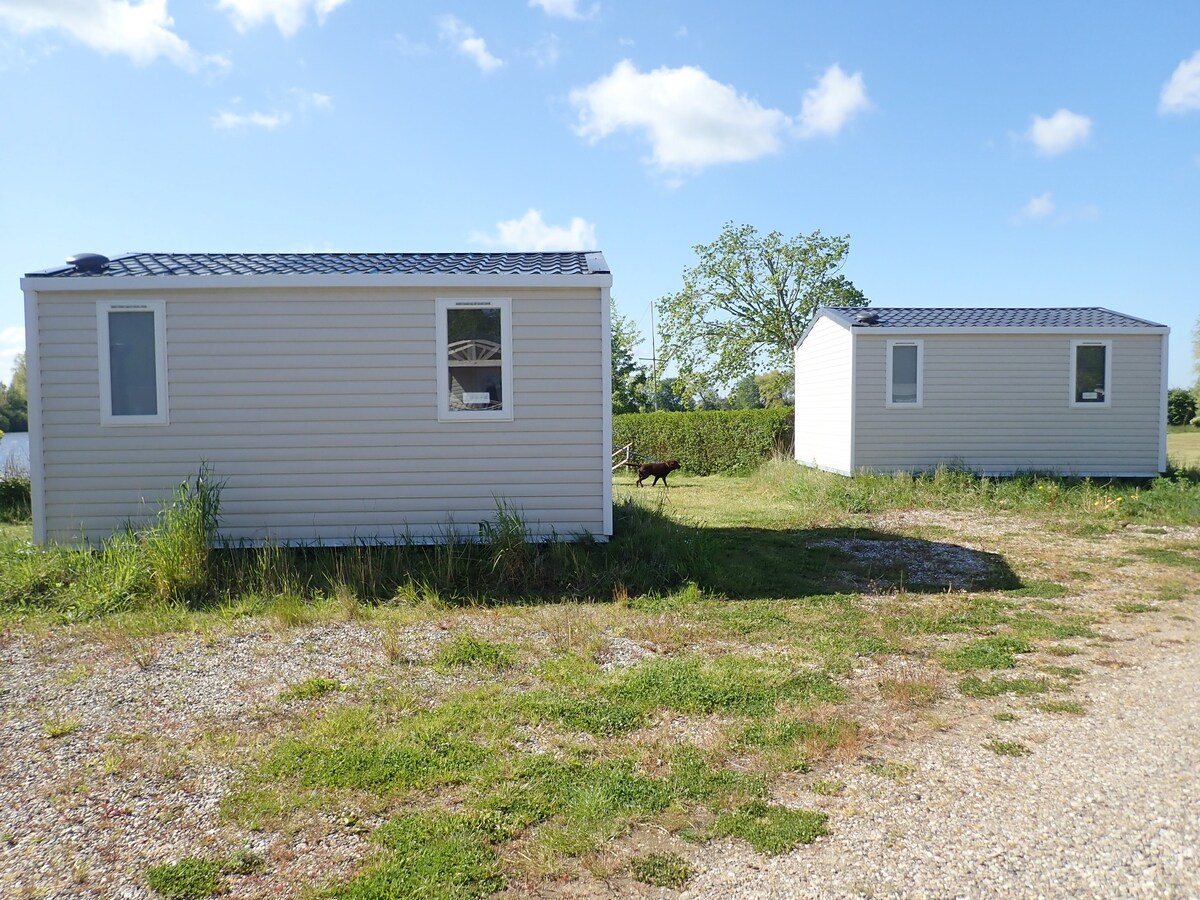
1184, 448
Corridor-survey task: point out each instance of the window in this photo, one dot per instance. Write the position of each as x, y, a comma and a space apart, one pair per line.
1091, 373
474, 359
133, 363
905, 360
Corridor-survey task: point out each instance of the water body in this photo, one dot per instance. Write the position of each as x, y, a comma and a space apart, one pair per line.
14, 446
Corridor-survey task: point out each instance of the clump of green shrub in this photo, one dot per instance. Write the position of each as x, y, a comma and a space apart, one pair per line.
1181, 406
15, 492
710, 442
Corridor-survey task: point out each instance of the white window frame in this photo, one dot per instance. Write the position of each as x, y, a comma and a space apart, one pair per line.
920, 402
158, 308
1108, 355
445, 413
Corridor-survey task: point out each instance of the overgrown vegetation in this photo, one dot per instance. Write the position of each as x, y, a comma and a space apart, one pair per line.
573, 694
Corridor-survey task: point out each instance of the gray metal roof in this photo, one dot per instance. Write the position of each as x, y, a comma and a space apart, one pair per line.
135, 265
1073, 318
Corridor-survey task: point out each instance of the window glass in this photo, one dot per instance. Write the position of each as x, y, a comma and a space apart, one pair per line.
133, 377
475, 353
904, 373
1090, 364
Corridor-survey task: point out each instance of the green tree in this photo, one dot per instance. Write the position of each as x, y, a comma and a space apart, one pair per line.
745, 393
776, 389
629, 390
17, 388
747, 301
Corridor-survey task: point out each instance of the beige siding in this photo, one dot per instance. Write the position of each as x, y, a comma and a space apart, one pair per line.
823, 397
999, 403
318, 410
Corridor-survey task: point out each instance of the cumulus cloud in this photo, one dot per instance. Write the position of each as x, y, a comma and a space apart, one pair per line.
530, 232
693, 121
1037, 208
835, 100
230, 121
464, 39
143, 32
565, 9
301, 100
288, 15
1182, 92
1059, 133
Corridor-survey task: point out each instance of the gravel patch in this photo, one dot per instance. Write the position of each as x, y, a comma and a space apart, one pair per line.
1106, 805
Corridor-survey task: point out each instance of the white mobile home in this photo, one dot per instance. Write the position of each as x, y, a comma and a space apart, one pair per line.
1076, 391
340, 397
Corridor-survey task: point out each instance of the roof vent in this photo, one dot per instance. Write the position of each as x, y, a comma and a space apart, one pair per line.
867, 318
88, 263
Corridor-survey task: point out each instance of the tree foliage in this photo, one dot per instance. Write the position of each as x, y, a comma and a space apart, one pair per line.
1181, 406
629, 388
747, 301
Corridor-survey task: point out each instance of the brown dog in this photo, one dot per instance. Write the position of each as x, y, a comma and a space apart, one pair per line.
658, 470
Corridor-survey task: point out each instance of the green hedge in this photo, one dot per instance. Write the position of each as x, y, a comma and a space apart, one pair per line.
707, 443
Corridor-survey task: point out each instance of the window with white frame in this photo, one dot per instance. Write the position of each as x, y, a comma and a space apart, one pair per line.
905, 362
474, 359
133, 362
1091, 373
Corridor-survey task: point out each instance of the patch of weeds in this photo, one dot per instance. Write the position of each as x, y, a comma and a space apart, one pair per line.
1038, 627
310, 689
963, 615
973, 686
735, 684
1008, 748
243, 862
827, 788
1005, 717
466, 651
189, 879
1044, 590
1062, 650
987, 653
908, 692
1066, 673
769, 828
1068, 707
1171, 591
1133, 606
431, 855
896, 771
693, 779
595, 715
57, 728
802, 740
1169, 557
667, 870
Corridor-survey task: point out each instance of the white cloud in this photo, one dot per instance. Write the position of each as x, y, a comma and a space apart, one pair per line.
1182, 92
1037, 208
690, 120
12, 342
310, 99
267, 121
1059, 133
468, 43
565, 9
142, 32
832, 103
530, 232
289, 15
546, 51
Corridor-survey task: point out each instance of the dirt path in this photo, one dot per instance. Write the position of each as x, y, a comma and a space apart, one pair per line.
1106, 805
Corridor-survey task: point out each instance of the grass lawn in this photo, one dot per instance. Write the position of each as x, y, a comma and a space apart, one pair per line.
516, 715
1183, 447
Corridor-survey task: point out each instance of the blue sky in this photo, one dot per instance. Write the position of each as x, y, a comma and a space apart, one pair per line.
1019, 154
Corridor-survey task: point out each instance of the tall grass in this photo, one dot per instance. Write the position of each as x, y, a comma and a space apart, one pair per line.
1171, 499
15, 492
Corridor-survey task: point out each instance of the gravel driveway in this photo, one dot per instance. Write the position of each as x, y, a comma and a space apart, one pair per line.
1106, 805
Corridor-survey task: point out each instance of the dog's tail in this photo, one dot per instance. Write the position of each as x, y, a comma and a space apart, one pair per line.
633, 465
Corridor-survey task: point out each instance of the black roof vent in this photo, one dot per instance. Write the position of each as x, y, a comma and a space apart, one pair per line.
867, 318
88, 263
